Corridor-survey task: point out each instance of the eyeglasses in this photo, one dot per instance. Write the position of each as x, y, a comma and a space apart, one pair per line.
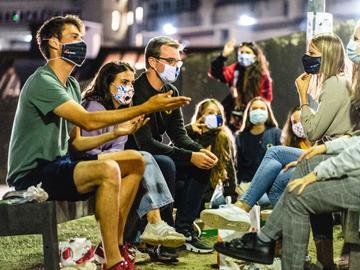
172, 61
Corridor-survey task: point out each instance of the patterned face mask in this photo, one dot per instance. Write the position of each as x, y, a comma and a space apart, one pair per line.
170, 74
246, 59
298, 130
124, 94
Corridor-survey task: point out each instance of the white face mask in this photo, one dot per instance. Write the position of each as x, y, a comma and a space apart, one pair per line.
170, 74
213, 121
298, 130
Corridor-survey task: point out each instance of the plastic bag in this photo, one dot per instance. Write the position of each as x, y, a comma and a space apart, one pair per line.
76, 251
217, 198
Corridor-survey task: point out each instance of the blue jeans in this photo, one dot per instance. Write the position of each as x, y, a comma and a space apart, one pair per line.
269, 177
154, 191
168, 170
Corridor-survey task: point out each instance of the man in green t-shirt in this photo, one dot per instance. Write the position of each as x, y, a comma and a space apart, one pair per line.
46, 126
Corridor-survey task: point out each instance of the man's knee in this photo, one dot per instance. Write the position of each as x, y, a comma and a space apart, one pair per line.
165, 162
137, 159
111, 173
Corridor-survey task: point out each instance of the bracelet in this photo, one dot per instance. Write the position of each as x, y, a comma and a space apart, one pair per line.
305, 104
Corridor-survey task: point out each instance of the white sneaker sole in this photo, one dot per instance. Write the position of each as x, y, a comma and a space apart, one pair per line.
172, 242
191, 248
219, 222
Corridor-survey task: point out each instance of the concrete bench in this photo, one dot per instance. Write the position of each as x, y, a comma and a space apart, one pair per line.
42, 218
352, 237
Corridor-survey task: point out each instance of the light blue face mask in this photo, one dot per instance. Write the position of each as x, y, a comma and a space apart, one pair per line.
258, 116
351, 50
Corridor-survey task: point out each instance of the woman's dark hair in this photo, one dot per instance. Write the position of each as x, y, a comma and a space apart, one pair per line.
54, 27
288, 136
249, 87
270, 122
98, 89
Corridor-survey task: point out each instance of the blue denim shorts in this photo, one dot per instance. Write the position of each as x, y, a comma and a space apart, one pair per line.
56, 178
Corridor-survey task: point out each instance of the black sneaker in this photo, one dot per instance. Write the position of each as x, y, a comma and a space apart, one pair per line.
162, 254
195, 244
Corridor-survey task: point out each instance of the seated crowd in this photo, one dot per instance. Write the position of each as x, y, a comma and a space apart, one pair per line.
108, 142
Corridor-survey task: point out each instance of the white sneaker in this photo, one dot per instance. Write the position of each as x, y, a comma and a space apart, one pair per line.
229, 217
162, 233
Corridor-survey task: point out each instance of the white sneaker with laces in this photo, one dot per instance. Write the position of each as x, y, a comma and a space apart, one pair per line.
162, 233
228, 216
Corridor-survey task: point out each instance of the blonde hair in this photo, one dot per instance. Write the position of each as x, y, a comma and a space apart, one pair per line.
224, 145
332, 58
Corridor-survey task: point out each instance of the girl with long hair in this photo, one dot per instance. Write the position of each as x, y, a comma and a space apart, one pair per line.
249, 77
293, 134
259, 131
208, 127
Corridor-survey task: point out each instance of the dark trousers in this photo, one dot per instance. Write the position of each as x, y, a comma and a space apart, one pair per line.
191, 184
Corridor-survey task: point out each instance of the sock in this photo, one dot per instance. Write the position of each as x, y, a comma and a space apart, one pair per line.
263, 237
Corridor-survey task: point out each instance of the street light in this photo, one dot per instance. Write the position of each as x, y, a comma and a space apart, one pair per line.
115, 20
246, 20
169, 29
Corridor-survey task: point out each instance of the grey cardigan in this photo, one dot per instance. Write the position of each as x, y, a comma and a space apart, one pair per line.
332, 117
346, 162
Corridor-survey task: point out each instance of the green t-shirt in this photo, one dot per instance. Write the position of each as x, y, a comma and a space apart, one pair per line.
37, 133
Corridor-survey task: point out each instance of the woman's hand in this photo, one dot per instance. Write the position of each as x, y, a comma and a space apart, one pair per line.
290, 165
302, 182
302, 84
131, 126
229, 48
198, 128
313, 151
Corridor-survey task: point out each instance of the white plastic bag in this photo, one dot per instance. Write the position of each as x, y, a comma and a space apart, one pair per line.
76, 251
217, 197
255, 218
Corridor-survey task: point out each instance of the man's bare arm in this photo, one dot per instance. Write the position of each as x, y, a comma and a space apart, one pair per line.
76, 114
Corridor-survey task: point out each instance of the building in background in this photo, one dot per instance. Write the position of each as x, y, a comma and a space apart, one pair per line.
198, 23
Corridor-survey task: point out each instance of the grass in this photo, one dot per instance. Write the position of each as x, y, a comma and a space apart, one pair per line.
25, 252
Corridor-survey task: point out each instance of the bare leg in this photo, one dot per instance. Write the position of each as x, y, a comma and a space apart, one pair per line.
153, 216
105, 177
132, 169
243, 205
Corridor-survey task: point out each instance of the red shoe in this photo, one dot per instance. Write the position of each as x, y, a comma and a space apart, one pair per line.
99, 254
126, 251
123, 265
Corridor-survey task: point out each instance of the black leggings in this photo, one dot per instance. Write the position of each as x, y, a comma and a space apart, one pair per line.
322, 226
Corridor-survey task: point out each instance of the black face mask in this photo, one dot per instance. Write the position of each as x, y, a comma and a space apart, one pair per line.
311, 64
74, 52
